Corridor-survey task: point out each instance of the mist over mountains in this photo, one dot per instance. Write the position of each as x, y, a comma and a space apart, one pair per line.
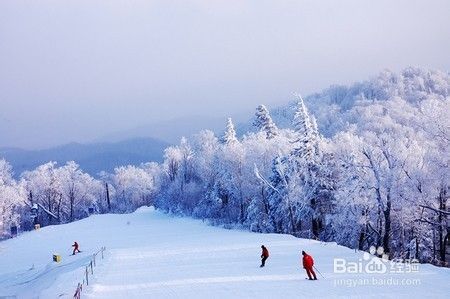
332, 108
92, 158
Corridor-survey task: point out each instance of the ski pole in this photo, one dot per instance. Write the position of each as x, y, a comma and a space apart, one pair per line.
319, 272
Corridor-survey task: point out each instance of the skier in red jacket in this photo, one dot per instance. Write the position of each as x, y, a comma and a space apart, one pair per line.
308, 263
75, 248
264, 255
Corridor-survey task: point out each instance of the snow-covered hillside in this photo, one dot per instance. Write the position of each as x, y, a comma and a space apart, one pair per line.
335, 107
152, 255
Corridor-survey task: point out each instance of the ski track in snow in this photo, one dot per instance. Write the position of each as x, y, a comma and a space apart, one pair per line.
194, 281
159, 256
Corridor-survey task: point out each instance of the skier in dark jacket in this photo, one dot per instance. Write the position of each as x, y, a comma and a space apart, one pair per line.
264, 255
308, 264
75, 248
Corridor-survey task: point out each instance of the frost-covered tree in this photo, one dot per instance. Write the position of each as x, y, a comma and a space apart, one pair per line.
264, 122
281, 207
229, 136
305, 137
232, 179
65, 193
6, 176
79, 190
12, 199
187, 158
386, 177
260, 153
206, 147
432, 181
308, 177
134, 187
179, 188
44, 187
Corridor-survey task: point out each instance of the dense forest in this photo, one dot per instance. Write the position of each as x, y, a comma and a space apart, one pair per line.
360, 165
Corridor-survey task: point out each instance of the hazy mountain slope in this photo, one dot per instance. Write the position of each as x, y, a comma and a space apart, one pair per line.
173, 129
332, 106
92, 158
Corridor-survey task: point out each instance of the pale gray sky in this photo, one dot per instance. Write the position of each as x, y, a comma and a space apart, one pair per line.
78, 70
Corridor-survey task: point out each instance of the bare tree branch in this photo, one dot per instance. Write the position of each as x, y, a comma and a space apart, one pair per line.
436, 210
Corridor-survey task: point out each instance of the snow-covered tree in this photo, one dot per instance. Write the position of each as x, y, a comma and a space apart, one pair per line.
264, 122
44, 187
229, 136
206, 147
80, 191
281, 207
305, 137
134, 187
66, 193
12, 199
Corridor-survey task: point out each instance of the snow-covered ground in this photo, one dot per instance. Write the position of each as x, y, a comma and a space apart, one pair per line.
152, 255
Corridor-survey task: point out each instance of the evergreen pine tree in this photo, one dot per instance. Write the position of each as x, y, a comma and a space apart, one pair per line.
304, 133
230, 134
264, 122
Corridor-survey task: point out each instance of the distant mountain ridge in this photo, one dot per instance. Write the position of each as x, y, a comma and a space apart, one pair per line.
92, 157
173, 129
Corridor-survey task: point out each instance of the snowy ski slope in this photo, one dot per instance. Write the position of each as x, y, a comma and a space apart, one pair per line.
152, 255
